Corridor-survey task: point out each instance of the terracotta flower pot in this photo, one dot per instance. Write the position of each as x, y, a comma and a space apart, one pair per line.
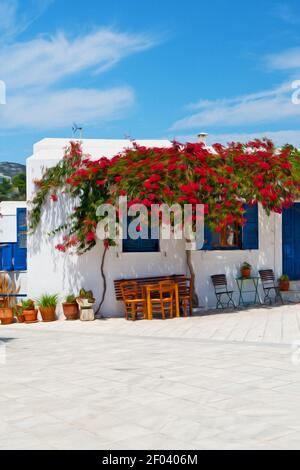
48, 314
284, 286
6, 315
30, 316
71, 311
245, 272
21, 318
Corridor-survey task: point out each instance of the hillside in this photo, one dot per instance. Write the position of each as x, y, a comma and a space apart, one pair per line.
11, 169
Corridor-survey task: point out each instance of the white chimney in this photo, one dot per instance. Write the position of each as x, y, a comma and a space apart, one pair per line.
202, 137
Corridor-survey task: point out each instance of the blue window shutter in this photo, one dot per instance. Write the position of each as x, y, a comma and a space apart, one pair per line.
140, 245
130, 246
207, 239
250, 230
20, 248
148, 246
7, 257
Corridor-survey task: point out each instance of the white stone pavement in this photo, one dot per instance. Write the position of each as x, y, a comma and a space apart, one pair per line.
225, 381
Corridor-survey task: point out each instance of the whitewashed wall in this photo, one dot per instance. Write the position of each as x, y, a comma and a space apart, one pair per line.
51, 271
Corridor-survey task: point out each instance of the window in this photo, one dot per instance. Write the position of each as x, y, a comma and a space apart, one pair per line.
230, 237
20, 248
150, 245
233, 237
13, 256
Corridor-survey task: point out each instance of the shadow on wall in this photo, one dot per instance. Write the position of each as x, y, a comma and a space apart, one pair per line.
54, 214
67, 273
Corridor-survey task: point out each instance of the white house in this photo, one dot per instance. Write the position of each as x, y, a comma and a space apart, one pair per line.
269, 244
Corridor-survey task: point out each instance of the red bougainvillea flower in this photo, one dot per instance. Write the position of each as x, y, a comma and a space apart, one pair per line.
229, 169
90, 236
230, 218
106, 244
157, 167
54, 197
100, 182
154, 178
223, 179
264, 165
183, 167
172, 167
61, 248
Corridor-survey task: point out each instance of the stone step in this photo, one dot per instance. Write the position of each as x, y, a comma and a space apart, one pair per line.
295, 286
291, 296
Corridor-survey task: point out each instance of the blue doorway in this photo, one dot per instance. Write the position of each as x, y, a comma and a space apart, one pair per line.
291, 242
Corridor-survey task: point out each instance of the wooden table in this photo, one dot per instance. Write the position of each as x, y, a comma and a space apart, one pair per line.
147, 289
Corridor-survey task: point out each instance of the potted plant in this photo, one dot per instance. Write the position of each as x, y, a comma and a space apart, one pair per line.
246, 270
6, 314
284, 283
47, 305
19, 314
70, 308
29, 311
9, 291
85, 301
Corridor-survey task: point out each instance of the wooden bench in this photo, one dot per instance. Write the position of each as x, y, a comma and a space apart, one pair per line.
185, 290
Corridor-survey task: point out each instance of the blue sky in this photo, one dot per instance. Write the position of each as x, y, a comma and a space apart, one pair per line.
150, 69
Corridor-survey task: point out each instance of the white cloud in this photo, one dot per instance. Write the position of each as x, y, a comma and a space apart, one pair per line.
58, 109
44, 61
14, 18
30, 70
265, 107
8, 10
286, 60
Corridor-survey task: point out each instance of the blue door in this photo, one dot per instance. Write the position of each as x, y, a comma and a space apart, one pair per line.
291, 242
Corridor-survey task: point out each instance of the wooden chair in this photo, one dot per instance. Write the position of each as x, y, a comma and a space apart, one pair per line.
267, 277
221, 289
133, 300
162, 300
186, 295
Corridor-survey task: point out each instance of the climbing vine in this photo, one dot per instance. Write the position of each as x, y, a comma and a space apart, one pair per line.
222, 178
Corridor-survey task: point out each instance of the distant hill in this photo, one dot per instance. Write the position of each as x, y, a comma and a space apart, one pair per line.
12, 182
11, 169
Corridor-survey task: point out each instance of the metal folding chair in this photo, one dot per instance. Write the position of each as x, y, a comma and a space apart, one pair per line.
221, 290
267, 277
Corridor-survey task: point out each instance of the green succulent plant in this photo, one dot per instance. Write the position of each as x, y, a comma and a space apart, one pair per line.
86, 294
48, 300
28, 304
70, 299
246, 265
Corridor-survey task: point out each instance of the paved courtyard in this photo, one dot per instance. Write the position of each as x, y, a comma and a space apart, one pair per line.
226, 381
